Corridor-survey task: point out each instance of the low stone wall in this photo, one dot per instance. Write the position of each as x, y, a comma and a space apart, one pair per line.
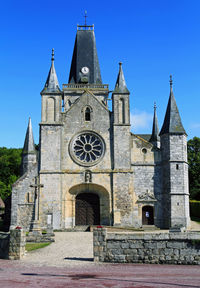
147, 247
4, 245
40, 238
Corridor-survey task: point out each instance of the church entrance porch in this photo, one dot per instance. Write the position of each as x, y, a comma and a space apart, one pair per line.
87, 209
147, 215
87, 204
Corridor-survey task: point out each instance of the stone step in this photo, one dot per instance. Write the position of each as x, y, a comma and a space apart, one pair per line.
149, 227
79, 228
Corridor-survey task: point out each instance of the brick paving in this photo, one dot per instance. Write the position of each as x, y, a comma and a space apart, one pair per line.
16, 274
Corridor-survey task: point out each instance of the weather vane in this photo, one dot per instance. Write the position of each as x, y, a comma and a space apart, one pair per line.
171, 81
52, 54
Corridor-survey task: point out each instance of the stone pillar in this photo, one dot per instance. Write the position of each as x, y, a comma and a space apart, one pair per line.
17, 244
99, 244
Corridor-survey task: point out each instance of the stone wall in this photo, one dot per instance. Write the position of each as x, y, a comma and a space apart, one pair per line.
151, 248
4, 245
22, 199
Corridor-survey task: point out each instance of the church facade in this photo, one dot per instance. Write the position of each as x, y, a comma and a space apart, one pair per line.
90, 168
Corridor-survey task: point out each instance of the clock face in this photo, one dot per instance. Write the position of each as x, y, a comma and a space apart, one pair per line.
85, 70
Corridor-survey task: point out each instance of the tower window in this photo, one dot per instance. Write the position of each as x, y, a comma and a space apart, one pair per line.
177, 166
87, 114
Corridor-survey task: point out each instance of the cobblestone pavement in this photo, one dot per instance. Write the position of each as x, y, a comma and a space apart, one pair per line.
68, 263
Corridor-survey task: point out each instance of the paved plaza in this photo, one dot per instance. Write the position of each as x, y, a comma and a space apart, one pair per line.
18, 274
68, 263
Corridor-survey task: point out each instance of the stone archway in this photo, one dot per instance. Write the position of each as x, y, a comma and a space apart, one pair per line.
87, 209
91, 204
147, 215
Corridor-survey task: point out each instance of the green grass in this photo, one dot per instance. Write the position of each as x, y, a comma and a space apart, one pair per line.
34, 246
196, 219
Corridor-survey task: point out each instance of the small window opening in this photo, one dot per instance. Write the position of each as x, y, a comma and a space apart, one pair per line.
87, 114
144, 151
28, 197
177, 166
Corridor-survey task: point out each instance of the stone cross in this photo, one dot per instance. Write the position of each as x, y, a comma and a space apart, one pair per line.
37, 185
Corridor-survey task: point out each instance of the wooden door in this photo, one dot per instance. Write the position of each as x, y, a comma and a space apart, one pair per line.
87, 209
147, 215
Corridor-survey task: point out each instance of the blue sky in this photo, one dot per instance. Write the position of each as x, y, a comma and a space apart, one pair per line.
153, 39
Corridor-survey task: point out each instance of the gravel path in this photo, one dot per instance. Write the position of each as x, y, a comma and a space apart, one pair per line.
194, 225
69, 248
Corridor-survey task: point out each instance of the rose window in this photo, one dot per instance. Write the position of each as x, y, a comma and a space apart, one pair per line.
87, 148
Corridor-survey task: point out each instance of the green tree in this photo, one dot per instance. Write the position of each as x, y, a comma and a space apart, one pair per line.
194, 167
10, 160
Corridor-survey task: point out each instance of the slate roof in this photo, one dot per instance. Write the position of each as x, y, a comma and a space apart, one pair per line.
85, 55
120, 86
172, 122
52, 84
29, 146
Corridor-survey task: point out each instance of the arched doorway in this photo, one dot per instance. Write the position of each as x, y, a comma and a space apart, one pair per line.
87, 209
147, 215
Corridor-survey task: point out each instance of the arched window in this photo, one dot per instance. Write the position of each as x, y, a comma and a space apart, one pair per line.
87, 114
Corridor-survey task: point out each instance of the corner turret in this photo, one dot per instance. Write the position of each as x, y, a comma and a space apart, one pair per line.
121, 119
175, 167
29, 155
51, 96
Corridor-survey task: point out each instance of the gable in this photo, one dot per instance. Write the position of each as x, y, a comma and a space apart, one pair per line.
75, 118
98, 109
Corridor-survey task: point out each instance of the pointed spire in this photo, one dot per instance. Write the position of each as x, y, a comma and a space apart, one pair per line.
155, 130
172, 123
52, 84
85, 64
120, 86
29, 146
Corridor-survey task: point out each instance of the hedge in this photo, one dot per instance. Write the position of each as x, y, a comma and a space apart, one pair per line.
195, 208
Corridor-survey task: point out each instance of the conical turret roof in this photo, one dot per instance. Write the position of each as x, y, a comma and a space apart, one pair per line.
85, 63
120, 86
29, 146
172, 122
52, 84
155, 130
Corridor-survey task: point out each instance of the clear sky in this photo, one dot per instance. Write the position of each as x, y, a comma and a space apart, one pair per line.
153, 39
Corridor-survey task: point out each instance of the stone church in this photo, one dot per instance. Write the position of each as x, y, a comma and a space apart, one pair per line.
90, 169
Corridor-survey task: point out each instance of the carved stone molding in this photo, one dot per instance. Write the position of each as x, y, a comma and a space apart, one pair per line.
147, 196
